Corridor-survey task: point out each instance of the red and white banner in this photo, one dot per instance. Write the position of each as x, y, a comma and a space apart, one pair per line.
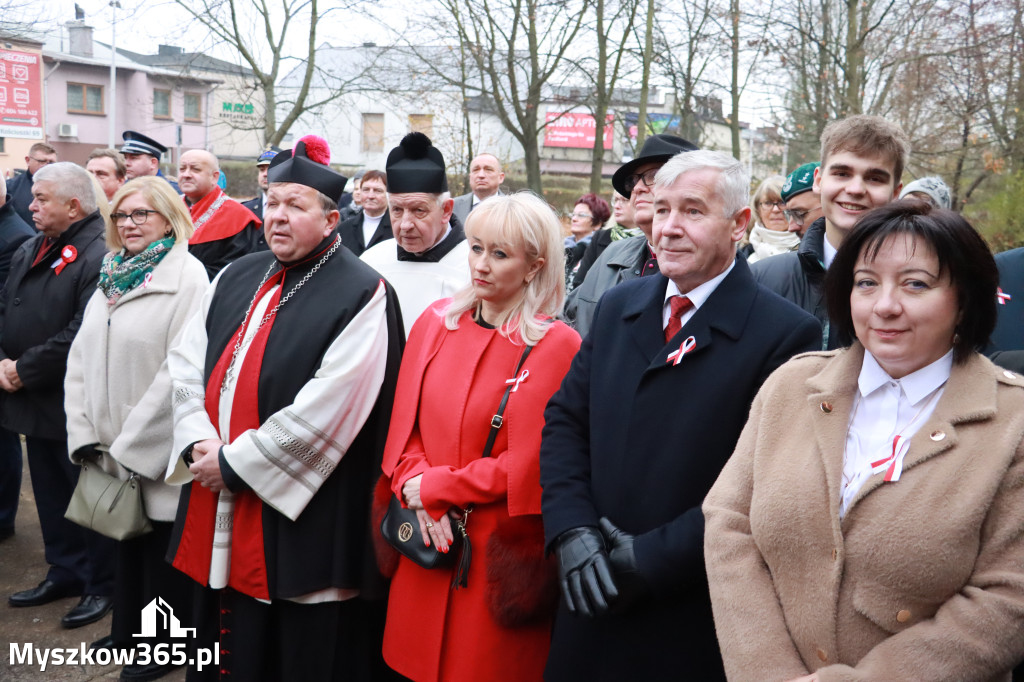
21, 95
575, 130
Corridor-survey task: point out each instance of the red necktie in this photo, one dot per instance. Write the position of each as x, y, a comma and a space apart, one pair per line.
678, 306
44, 248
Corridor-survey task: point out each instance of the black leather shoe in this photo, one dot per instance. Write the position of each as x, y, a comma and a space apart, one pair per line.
44, 593
6, 533
103, 643
140, 673
89, 610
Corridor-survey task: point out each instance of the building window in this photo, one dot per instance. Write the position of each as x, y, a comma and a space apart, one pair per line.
161, 104
3, 146
373, 132
193, 107
422, 123
85, 99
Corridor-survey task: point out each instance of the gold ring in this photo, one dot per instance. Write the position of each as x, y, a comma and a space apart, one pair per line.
429, 524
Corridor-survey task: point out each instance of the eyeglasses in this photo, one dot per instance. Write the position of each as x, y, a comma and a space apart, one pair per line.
139, 216
581, 216
647, 176
773, 204
796, 216
43, 162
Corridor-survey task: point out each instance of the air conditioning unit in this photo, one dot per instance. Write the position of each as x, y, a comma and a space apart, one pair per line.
67, 130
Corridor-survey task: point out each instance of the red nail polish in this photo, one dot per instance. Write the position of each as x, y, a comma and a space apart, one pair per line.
445, 550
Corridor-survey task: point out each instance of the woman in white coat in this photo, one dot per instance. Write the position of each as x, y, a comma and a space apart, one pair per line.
118, 393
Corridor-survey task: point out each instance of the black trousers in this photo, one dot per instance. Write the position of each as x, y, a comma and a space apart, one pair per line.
77, 557
10, 477
284, 641
143, 575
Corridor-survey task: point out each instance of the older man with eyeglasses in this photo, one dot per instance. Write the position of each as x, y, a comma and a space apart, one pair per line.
628, 258
803, 206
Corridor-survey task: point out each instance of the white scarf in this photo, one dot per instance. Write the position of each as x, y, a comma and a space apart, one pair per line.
771, 243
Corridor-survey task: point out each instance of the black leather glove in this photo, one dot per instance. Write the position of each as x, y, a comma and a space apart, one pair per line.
585, 572
86, 453
632, 586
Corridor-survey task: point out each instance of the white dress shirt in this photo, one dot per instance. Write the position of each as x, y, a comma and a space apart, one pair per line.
883, 409
697, 296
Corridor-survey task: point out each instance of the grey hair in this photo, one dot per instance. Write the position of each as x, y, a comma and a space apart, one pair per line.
70, 181
439, 198
733, 185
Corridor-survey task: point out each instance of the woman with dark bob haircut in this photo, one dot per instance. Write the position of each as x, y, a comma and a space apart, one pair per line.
868, 525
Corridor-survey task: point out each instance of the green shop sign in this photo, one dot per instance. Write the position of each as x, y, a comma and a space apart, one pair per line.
237, 108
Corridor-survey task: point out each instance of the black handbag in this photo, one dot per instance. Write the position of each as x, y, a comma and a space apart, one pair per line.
400, 526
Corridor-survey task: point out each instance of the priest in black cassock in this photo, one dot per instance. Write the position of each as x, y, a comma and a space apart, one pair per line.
283, 384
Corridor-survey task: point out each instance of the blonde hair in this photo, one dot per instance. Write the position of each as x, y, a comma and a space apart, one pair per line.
770, 186
158, 193
524, 220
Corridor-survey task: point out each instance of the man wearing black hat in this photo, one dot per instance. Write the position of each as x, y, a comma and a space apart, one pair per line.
430, 259
633, 257
142, 156
283, 390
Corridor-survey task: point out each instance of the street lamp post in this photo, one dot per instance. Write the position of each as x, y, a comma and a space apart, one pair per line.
112, 119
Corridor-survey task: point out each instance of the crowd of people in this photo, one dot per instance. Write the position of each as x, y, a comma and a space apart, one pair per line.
392, 434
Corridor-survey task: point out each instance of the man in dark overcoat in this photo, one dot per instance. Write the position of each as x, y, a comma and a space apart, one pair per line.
13, 233
52, 277
644, 421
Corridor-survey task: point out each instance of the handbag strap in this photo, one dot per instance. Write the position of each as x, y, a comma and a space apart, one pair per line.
498, 418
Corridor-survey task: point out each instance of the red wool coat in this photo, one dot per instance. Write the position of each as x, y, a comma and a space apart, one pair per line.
434, 633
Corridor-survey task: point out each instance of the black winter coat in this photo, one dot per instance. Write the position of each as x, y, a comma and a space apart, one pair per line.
40, 313
799, 276
351, 231
636, 438
13, 233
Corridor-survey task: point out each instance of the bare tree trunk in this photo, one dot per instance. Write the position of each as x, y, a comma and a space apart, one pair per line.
641, 124
734, 91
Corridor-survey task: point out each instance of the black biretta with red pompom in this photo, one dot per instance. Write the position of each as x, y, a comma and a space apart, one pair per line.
306, 164
416, 165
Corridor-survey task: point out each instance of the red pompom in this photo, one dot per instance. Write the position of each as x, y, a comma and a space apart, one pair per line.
317, 149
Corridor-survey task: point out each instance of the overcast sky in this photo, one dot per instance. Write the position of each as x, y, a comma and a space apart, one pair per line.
142, 25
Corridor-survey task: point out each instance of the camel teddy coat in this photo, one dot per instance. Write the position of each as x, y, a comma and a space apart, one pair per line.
923, 579
117, 392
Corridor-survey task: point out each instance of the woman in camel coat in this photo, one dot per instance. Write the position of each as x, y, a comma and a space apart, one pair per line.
855, 577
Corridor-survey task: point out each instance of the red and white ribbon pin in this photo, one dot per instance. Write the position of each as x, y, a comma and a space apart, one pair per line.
515, 381
67, 255
893, 464
1001, 297
675, 357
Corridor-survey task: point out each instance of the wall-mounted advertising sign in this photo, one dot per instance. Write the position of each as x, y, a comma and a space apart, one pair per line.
575, 130
21, 95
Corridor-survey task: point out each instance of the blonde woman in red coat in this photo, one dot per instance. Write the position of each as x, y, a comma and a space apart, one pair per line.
460, 355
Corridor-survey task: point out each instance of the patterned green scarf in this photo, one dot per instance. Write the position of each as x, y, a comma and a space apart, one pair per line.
121, 273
